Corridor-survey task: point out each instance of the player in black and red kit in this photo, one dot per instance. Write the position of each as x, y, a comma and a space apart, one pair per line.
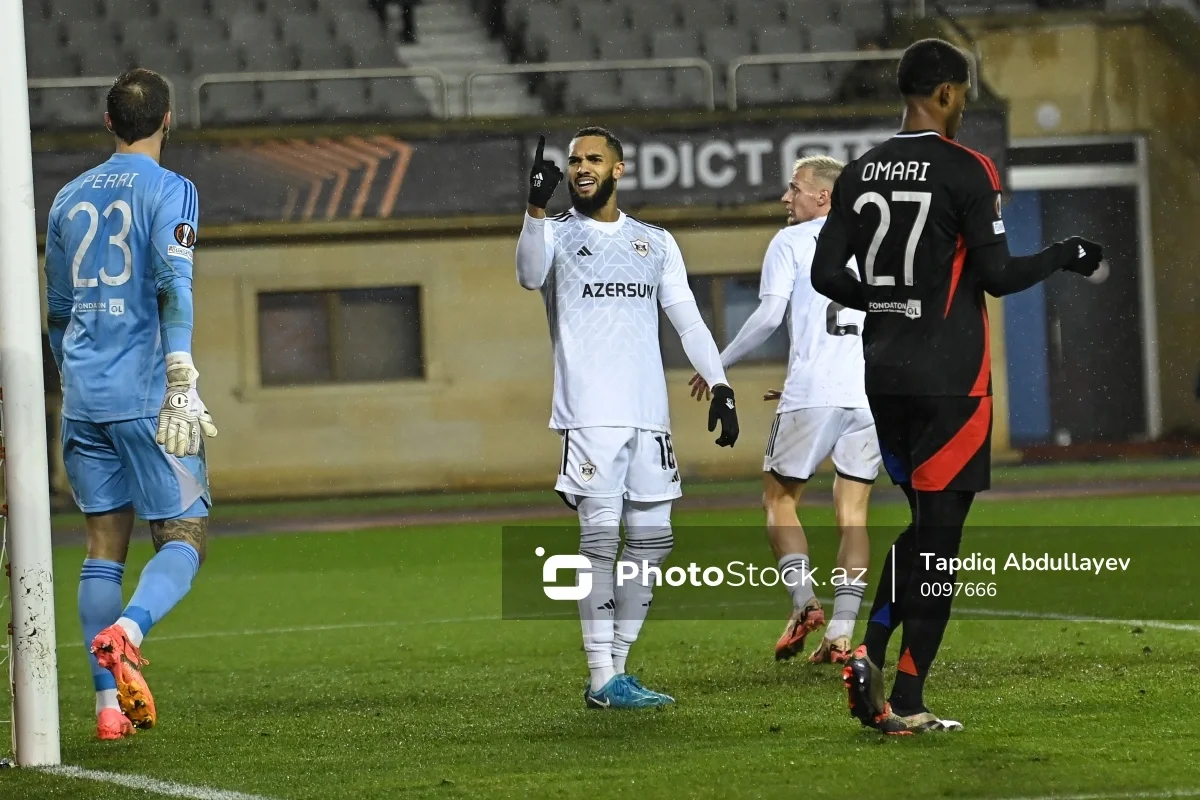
921, 214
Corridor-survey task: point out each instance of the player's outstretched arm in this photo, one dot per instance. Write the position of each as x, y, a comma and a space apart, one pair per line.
1001, 274
534, 247
765, 320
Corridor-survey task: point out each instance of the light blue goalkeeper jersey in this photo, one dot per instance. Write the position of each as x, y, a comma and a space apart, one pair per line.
119, 250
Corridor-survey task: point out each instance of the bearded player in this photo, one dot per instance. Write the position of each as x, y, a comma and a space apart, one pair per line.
921, 214
603, 276
119, 251
822, 412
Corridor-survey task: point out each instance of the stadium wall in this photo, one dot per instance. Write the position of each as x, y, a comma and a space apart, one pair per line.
1112, 75
479, 417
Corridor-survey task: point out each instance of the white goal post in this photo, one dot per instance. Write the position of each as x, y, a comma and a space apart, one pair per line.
34, 662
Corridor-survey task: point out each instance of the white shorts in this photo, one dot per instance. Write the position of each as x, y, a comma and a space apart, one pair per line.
800, 440
617, 462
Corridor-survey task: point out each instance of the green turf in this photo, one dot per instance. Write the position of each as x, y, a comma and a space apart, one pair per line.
413, 688
425, 502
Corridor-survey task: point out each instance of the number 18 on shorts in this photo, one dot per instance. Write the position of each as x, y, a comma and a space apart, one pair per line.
617, 462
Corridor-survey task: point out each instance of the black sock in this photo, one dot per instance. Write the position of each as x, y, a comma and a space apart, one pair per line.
940, 517
886, 615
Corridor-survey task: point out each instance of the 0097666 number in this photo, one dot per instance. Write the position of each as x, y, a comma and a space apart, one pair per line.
946, 589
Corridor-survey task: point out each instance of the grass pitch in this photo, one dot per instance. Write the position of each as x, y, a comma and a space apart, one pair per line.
374, 664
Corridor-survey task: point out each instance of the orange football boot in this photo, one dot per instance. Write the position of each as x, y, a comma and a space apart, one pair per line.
835, 651
799, 626
118, 655
111, 724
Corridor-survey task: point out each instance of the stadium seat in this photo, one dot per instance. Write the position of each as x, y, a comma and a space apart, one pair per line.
209, 57
571, 48
74, 107
756, 86
341, 99
186, 30
161, 58
865, 17
811, 13
831, 38
123, 10
108, 61
592, 91
553, 24
325, 55
306, 30
396, 99
674, 44
618, 45
247, 27
647, 17
288, 100
51, 62
142, 31
703, 14
275, 58
598, 18
372, 54
756, 13
226, 9
229, 102
779, 41
350, 24
649, 88
87, 34
805, 82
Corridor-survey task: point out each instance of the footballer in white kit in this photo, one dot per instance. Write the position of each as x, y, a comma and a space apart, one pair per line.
822, 412
603, 276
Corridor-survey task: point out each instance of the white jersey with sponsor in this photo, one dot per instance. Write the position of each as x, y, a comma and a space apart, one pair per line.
602, 293
826, 366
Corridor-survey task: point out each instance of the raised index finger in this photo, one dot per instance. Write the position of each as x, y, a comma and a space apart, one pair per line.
541, 147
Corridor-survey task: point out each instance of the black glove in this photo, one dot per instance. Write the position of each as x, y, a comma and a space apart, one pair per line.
1085, 256
722, 408
543, 178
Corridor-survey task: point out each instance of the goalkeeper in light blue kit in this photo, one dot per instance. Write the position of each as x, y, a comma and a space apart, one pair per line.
119, 251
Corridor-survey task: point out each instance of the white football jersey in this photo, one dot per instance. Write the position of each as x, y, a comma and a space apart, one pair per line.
826, 364
603, 290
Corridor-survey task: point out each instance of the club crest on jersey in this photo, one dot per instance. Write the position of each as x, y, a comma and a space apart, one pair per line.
185, 234
642, 248
116, 306
587, 471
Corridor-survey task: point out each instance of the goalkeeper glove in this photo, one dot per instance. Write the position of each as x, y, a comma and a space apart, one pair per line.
1084, 256
544, 178
722, 408
183, 416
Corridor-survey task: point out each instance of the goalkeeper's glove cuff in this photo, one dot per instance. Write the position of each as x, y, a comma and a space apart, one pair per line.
181, 371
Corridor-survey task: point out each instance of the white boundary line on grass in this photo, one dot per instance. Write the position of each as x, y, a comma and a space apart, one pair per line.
1160, 794
346, 626
152, 785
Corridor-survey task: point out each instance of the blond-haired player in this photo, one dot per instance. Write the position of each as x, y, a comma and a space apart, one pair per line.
822, 411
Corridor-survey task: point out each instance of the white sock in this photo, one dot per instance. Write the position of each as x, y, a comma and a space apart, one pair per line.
648, 541
847, 600
132, 629
106, 698
793, 569
599, 539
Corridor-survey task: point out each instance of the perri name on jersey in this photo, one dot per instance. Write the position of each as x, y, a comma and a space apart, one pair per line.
601, 289
112, 180
895, 170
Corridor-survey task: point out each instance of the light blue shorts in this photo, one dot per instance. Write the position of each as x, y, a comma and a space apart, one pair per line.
113, 464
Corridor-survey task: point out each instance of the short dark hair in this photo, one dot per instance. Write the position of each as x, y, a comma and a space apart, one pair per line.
613, 142
137, 102
928, 64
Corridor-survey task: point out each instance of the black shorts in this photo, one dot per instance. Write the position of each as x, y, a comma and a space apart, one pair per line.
935, 443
